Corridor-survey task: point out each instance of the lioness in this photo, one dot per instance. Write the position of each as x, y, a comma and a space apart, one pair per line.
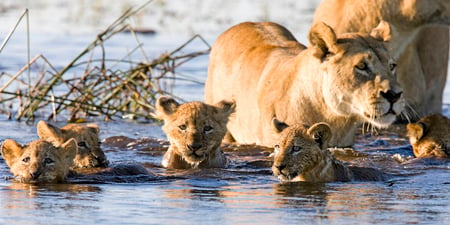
195, 131
341, 81
430, 136
89, 152
419, 46
301, 155
39, 161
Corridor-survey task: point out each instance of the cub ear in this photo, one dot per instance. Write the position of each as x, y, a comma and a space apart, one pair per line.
11, 151
50, 133
278, 125
93, 128
323, 39
382, 32
69, 150
165, 106
226, 107
415, 131
321, 133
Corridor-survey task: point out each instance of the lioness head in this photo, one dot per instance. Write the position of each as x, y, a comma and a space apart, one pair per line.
430, 136
194, 129
39, 161
300, 150
359, 74
89, 152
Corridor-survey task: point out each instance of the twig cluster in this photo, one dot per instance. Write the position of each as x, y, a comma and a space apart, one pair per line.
98, 90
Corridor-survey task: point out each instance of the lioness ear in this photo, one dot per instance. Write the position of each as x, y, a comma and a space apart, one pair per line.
50, 133
165, 106
415, 131
323, 39
278, 125
11, 151
321, 133
382, 32
226, 107
69, 150
93, 128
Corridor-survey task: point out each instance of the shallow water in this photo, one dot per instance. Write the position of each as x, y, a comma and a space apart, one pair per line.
244, 193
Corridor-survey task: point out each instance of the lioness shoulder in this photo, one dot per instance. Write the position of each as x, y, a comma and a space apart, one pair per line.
89, 152
39, 161
430, 136
302, 155
195, 131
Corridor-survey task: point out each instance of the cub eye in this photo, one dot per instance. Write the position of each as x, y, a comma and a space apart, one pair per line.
207, 129
82, 144
26, 159
296, 148
48, 161
362, 66
392, 66
276, 146
182, 127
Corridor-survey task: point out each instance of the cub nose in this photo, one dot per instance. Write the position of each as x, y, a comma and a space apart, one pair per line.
34, 175
195, 146
391, 96
280, 167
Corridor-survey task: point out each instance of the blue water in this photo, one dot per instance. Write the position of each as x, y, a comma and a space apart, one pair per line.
244, 193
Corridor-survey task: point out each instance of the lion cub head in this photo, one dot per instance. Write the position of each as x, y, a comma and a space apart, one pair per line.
39, 161
430, 136
89, 152
195, 131
301, 154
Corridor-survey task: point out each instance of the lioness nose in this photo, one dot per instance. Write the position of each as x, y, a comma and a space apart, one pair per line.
391, 96
194, 146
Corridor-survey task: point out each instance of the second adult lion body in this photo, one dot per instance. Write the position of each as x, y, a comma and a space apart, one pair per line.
341, 81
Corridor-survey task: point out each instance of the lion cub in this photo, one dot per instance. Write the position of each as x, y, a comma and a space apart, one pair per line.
195, 131
89, 152
430, 136
302, 155
39, 161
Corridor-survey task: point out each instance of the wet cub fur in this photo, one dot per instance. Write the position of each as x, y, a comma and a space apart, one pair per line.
430, 136
301, 155
195, 131
89, 152
39, 161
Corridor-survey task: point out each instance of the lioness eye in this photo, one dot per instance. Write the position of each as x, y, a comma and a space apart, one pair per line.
82, 144
26, 159
296, 148
48, 161
182, 127
276, 146
361, 66
207, 128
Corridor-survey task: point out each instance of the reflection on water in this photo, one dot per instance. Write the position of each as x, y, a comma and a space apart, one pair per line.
244, 193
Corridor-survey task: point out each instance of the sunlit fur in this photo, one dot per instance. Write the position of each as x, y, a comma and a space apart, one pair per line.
89, 153
343, 81
195, 131
430, 136
39, 161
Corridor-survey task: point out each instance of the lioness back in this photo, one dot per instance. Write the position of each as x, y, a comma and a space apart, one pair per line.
430, 136
341, 81
89, 152
39, 161
195, 131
